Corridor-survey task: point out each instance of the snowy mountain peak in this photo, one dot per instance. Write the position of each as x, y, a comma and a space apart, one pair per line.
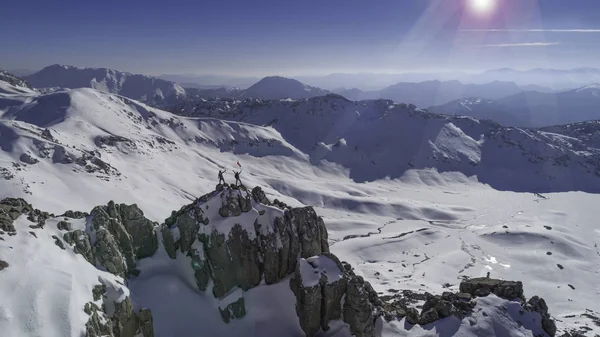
151, 90
276, 87
10, 83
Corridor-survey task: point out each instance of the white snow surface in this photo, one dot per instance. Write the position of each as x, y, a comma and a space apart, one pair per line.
419, 229
45, 288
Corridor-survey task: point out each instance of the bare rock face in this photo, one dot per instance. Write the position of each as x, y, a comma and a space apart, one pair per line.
123, 235
360, 307
537, 304
81, 242
319, 284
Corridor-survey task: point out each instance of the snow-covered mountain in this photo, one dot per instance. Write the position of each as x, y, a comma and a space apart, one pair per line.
11, 84
532, 108
276, 87
415, 202
357, 135
150, 90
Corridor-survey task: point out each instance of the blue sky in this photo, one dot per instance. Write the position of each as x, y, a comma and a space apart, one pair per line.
290, 37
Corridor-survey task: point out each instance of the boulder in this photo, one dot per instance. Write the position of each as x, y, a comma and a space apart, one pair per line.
428, 316
28, 159
412, 316
64, 226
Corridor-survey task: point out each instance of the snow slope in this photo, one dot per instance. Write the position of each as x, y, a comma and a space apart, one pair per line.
403, 228
151, 90
44, 289
357, 136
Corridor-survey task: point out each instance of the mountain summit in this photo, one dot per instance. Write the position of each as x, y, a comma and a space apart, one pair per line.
277, 87
150, 90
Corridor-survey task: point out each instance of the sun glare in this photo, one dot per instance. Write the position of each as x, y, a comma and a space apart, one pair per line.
482, 7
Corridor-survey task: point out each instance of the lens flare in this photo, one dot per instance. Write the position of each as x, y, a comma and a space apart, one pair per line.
482, 7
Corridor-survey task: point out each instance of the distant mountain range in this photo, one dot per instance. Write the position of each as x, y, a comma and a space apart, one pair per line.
531, 108
504, 102
534, 79
162, 93
424, 94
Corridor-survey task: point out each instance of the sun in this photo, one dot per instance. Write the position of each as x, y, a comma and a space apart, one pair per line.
482, 7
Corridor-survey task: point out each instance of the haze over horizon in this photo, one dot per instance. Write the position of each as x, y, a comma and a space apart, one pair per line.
302, 38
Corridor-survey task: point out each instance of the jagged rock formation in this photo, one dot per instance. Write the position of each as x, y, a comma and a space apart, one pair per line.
320, 283
122, 235
246, 240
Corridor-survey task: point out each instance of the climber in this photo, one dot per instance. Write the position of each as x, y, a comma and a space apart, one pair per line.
237, 177
221, 180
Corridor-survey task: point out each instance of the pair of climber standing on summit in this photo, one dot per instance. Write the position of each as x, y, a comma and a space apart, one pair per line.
236, 174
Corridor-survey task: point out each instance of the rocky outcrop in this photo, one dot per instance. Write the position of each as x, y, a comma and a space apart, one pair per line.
12, 208
537, 304
320, 283
122, 321
75, 214
484, 286
461, 304
112, 314
122, 235
80, 240
236, 238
